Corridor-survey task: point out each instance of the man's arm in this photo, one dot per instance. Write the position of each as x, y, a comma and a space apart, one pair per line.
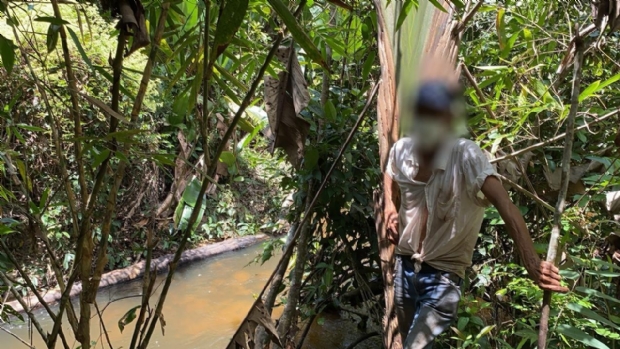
545, 274
391, 210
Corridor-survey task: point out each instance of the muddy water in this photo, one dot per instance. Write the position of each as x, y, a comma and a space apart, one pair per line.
205, 304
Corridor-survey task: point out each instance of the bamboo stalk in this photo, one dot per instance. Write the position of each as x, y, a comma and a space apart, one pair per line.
75, 106
559, 207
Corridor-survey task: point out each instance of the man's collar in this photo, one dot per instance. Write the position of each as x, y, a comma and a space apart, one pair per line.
442, 156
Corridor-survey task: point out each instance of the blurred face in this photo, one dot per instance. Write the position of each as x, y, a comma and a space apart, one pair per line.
431, 128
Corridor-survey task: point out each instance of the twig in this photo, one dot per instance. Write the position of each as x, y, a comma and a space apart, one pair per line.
147, 285
527, 193
559, 207
19, 298
483, 99
553, 139
105, 331
16, 337
468, 17
33, 289
289, 250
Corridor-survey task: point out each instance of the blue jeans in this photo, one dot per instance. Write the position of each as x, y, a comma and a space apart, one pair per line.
426, 303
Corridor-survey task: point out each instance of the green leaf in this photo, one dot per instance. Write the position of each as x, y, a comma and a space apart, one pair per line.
438, 5
591, 315
228, 158
330, 111
311, 159
298, 32
7, 53
30, 128
164, 159
609, 81
51, 20
191, 192
179, 109
44, 197
589, 91
594, 293
404, 12
500, 26
370, 61
5, 230
606, 274
128, 318
52, 37
579, 335
463, 321
245, 141
99, 157
230, 19
80, 49
485, 331
458, 3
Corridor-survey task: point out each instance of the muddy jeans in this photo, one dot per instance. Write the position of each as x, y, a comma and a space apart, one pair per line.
426, 303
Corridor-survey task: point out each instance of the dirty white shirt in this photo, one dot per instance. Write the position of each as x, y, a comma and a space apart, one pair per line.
453, 199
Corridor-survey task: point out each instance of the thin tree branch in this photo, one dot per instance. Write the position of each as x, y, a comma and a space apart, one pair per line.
554, 139
53, 122
559, 207
205, 183
483, 99
19, 298
16, 337
105, 331
527, 193
33, 288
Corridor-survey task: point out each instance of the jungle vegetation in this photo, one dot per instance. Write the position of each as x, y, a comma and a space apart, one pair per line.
134, 129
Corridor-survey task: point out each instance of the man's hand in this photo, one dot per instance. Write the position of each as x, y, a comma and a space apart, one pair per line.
549, 278
545, 274
391, 219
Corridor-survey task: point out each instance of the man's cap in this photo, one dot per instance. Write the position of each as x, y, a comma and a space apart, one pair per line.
436, 96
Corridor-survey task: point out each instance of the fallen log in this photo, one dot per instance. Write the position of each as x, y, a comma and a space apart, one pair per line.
160, 265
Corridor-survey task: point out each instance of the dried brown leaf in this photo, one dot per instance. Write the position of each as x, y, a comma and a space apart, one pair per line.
285, 98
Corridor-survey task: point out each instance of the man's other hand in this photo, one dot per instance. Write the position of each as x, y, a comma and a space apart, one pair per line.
550, 278
391, 219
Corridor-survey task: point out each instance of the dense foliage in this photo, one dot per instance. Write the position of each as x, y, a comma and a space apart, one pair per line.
110, 156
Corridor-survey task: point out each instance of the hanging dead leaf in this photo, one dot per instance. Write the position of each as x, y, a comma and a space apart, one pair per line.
134, 23
285, 98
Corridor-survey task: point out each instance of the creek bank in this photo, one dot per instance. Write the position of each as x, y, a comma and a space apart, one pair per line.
135, 271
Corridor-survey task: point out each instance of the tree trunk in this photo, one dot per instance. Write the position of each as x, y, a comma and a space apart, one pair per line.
416, 38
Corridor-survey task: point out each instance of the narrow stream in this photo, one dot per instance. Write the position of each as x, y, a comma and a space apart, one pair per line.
205, 304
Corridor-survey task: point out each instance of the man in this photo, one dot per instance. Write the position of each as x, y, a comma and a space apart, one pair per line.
445, 183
